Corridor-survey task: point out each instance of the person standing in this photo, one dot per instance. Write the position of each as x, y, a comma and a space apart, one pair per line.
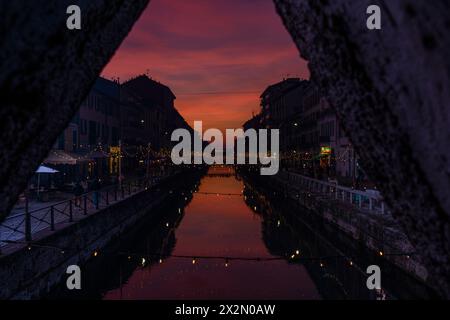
84, 185
78, 191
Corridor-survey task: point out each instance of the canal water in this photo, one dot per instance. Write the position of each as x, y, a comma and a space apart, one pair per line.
221, 238
218, 223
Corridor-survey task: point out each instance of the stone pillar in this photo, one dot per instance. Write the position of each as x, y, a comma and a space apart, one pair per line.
391, 91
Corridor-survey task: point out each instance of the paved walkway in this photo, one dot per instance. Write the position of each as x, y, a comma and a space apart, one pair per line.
12, 229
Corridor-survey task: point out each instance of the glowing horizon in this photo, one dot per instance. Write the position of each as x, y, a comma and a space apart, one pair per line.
216, 56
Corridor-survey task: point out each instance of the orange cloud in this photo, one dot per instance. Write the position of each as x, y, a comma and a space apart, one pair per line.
216, 56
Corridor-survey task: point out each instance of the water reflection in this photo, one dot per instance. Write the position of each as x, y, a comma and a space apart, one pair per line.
336, 263
335, 274
218, 222
224, 217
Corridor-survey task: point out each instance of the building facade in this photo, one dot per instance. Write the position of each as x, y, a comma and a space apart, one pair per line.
118, 127
99, 116
154, 117
312, 142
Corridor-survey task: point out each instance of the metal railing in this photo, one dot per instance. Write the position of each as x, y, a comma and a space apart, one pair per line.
21, 227
359, 199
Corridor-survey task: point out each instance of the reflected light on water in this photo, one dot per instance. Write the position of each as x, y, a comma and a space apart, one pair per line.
218, 225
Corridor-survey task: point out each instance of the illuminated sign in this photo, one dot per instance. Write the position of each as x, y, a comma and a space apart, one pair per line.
114, 149
325, 150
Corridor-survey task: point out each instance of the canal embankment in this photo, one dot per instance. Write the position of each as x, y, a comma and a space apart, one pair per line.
30, 268
375, 230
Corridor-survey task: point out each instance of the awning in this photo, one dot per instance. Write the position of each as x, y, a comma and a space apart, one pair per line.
56, 157
96, 154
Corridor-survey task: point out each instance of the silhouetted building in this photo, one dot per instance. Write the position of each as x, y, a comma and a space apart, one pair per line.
253, 123
273, 106
312, 141
133, 122
82, 150
150, 115
98, 118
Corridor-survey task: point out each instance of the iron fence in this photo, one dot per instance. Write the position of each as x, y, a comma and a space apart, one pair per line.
22, 226
364, 200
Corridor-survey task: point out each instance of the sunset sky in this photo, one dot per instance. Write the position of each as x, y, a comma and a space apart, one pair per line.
217, 56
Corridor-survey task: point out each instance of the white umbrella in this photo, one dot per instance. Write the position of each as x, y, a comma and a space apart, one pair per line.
43, 169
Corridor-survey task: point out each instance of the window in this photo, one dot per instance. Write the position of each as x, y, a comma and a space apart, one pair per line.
90, 101
110, 109
83, 126
75, 139
92, 132
115, 135
61, 141
105, 132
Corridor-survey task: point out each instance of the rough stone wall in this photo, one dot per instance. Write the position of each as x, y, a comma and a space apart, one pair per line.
391, 90
46, 71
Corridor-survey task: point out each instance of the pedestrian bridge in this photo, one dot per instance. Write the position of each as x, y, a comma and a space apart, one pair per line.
221, 171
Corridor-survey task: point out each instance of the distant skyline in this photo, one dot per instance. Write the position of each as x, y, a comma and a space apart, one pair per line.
217, 56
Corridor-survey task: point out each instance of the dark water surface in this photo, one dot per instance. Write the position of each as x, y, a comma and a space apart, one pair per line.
187, 250
218, 222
